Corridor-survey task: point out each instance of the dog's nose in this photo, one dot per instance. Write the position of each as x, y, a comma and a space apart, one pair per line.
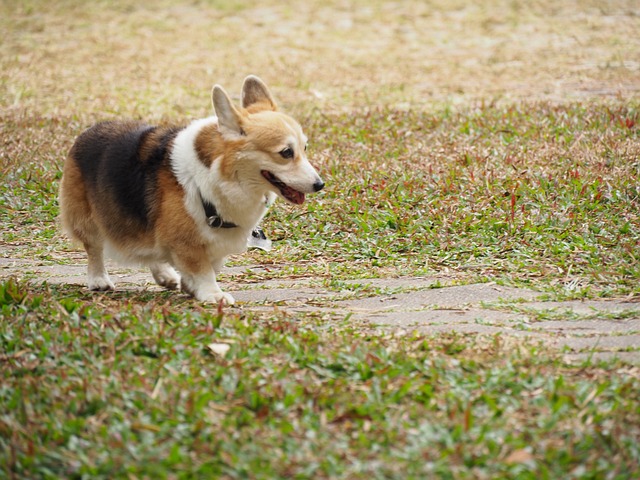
319, 185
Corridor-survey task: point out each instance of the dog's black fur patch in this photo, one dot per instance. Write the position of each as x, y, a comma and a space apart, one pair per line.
120, 161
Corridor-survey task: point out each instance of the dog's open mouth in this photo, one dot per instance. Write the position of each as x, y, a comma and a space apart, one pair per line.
291, 194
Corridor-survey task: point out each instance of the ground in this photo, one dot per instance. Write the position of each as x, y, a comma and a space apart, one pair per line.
581, 329
460, 301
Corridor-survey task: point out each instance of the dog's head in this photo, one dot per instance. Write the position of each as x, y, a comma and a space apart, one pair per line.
270, 146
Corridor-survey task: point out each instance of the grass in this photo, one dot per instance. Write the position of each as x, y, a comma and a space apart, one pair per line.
524, 193
100, 387
445, 154
124, 386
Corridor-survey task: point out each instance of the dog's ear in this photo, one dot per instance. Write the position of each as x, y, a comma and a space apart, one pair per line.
256, 95
229, 118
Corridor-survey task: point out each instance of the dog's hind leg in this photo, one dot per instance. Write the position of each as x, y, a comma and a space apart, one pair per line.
87, 232
98, 278
77, 220
165, 276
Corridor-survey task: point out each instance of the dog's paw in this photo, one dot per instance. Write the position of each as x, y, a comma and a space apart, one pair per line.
217, 298
166, 276
100, 284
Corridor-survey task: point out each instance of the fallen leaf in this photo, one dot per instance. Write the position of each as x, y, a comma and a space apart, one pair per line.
518, 456
219, 349
145, 426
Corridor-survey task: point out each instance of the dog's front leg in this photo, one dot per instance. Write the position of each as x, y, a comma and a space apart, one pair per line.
203, 287
217, 264
199, 278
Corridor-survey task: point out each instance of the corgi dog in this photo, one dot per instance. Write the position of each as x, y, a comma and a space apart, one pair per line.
181, 199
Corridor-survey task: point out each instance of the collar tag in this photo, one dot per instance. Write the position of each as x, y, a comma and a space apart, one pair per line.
258, 239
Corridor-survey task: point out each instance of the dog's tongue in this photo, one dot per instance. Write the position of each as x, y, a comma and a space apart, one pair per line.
293, 195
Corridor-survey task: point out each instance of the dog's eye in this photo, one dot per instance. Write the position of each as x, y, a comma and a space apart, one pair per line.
287, 152
305, 146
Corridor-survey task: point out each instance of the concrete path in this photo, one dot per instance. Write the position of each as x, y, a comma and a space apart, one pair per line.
596, 329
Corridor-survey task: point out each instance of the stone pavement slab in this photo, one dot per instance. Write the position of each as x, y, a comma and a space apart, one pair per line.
596, 329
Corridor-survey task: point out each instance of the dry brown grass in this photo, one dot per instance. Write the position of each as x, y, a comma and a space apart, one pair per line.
158, 59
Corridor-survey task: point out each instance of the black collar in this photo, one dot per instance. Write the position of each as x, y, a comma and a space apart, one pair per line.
214, 220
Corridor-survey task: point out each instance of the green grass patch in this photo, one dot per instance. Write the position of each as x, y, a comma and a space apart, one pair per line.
101, 387
524, 193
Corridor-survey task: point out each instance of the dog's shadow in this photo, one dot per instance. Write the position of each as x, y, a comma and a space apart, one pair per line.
123, 294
